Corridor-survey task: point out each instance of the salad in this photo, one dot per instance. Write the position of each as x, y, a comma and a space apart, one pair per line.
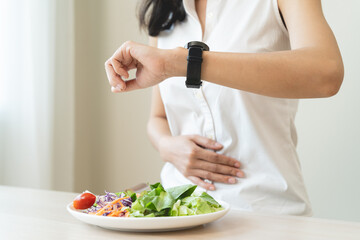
157, 202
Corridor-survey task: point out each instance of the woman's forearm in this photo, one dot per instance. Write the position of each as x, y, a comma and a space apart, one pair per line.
313, 68
302, 73
157, 129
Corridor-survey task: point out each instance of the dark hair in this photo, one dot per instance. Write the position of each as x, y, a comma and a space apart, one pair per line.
159, 15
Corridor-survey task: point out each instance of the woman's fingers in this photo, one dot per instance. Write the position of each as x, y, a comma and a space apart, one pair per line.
132, 85
206, 142
198, 181
214, 157
125, 57
119, 68
215, 177
118, 65
149, 63
218, 168
114, 79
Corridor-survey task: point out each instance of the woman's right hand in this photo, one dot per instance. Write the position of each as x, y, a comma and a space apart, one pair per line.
195, 157
153, 65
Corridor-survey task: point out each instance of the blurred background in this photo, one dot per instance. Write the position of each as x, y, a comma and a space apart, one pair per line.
62, 129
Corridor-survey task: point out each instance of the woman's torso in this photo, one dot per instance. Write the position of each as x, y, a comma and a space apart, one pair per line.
257, 130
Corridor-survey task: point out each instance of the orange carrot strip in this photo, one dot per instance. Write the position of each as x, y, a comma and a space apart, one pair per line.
102, 210
114, 214
118, 200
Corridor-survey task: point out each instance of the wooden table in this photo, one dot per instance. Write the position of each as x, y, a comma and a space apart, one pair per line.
38, 214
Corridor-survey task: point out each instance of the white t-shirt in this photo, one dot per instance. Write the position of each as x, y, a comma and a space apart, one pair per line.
257, 130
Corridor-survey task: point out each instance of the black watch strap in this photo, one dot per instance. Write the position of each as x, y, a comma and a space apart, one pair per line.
193, 75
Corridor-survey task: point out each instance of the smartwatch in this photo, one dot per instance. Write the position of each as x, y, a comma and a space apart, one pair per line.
194, 59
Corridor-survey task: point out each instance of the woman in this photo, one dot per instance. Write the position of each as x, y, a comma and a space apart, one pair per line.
235, 135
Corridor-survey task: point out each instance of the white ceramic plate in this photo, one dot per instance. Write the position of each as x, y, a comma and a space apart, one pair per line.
155, 224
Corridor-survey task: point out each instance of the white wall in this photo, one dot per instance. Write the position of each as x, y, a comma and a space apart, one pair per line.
329, 131
112, 150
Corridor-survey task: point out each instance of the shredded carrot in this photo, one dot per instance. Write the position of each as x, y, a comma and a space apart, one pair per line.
114, 213
117, 200
112, 209
101, 211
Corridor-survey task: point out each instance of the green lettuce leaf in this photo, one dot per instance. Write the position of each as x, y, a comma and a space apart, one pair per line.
176, 201
185, 211
175, 209
181, 192
157, 202
136, 214
201, 204
210, 200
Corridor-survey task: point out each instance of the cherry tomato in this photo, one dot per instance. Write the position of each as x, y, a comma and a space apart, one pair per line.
84, 201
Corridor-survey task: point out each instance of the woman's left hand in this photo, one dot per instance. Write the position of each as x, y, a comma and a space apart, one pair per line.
149, 63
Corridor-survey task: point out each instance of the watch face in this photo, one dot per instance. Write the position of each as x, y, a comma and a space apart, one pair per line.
198, 44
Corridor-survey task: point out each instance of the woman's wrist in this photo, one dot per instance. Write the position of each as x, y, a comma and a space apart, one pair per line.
163, 142
176, 62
